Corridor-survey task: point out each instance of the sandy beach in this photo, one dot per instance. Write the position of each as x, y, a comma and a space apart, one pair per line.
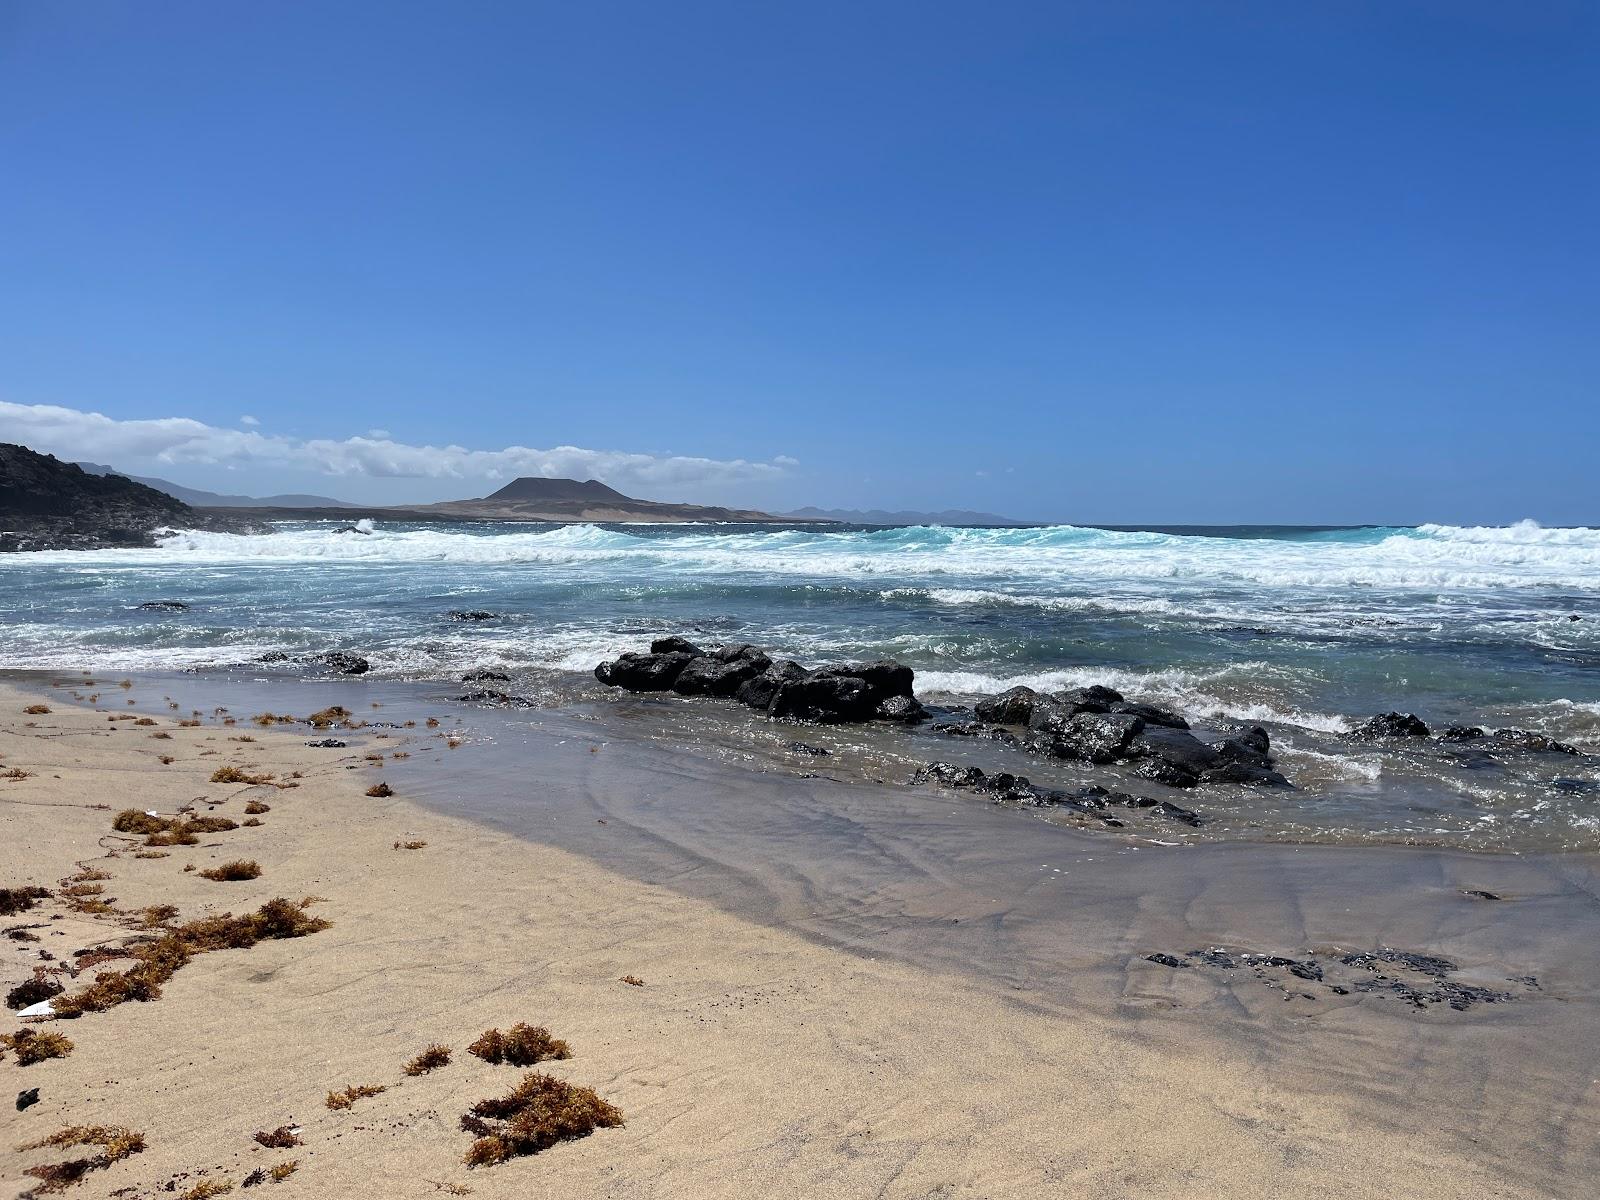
751, 1058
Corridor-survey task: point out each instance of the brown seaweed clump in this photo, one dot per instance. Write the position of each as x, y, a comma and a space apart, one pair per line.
207, 1188
157, 961
332, 715
410, 845
281, 1138
236, 775
431, 1059
522, 1045
20, 899
255, 808
535, 1115
32, 991
115, 1141
348, 1097
34, 1045
37, 710
380, 790
133, 820
236, 871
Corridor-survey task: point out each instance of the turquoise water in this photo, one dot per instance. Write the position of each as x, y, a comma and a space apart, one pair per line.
1314, 627
1305, 630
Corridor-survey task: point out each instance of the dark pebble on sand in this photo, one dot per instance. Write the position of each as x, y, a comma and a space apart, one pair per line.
1165, 960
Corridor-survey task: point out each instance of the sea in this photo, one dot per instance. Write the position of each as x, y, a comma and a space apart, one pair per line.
1306, 631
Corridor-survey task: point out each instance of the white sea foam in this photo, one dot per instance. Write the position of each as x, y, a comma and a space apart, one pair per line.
1430, 557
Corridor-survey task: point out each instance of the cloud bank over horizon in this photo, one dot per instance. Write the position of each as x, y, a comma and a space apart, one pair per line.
76, 435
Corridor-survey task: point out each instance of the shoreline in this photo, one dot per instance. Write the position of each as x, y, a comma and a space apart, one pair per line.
755, 1052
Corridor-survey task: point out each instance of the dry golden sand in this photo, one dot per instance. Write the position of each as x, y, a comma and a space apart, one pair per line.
751, 1062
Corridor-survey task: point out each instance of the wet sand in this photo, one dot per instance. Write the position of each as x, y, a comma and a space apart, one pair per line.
849, 990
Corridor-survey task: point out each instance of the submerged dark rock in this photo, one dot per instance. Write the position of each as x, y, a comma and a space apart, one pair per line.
807, 748
164, 606
485, 677
1522, 739
470, 614
343, 661
1462, 733
1248, 774
500, 699
1388, 725
1420, 980
1018, 789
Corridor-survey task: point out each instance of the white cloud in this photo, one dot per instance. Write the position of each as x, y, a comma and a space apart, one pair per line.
72, 434
248, 420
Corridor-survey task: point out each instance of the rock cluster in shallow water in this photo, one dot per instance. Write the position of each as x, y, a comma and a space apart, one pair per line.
783, 689
1017, 789
1098, 725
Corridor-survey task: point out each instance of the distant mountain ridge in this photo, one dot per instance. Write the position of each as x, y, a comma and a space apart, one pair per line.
878, 516
203, 499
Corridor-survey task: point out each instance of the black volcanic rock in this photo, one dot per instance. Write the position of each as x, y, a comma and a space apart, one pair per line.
46, 504
710, 676
1150, 714
675, 645
164, 606
643, 672
470, 614
1388, 725
759, 691
1014, 706
828, 697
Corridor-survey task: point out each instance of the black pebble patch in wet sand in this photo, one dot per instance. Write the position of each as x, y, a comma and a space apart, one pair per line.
1419, 980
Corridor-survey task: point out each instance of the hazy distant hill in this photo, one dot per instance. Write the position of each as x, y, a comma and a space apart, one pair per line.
878, 516
204, 499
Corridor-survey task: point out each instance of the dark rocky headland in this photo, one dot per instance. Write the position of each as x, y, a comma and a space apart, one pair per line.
46, 504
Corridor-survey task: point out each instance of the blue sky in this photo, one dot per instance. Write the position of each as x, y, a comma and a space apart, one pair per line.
1084, 262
